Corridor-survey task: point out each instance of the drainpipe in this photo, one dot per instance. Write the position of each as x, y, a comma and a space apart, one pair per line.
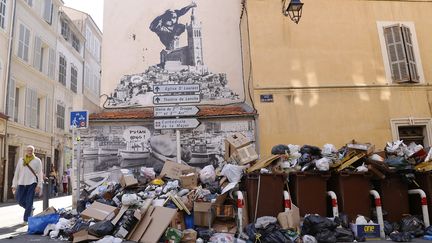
8, 77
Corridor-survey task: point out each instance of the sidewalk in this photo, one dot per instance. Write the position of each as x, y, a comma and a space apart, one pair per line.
11, 219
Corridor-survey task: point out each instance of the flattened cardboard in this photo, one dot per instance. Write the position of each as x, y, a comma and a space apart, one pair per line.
83, 236
223, 226
263, 163
49, 210
123, 209
142, 226
160, 219
128, 181
178, 221
174, 170
189, 180
99, 211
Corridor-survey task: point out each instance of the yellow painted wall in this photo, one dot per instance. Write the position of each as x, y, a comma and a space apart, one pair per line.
336, 45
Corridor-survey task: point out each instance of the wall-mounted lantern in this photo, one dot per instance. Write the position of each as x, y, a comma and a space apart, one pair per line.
293, 10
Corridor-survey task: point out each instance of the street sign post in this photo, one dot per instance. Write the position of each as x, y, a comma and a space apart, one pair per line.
176, 88
79, 119
173, 111
175, 99
176, 123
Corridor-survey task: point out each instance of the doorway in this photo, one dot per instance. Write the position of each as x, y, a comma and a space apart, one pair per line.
12, 150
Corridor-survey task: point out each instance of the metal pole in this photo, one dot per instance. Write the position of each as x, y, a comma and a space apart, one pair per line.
78, 159
45, 192
178, 146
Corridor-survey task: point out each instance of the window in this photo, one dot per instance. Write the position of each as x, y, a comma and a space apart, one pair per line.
23, 42
60, 116
37, 57
400, 52
3, 14
47, 11
62, 70
418, 130
32, 103
65, 29
74, 78
76, 43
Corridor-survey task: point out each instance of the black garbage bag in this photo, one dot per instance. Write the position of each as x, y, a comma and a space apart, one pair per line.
388, 227
271, 233
326, 236
204, 233
101, 228
309, 149
428, 230
413, 225
401, 236
305, 159
344, 235
213, 187
314, 224
280, 149
342, 220
81, 205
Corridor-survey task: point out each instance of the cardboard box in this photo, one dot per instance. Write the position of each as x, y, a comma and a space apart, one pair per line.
128, 181
83, 236
369, 231
49, 210
99, 211
189, 179
174, 170
224, 226
233, 142
365, 147
290, 219
153, 225
224, 211
246, 154
203, 214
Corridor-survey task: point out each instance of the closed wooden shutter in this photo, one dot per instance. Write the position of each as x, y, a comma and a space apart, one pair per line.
51, 63
49, 115
409, 48
11, 98
28, 108
396, 53
37, 57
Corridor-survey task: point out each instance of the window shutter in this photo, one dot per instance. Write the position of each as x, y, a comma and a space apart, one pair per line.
51, 65
37, 54
27, 43
34, 109
396, 52
21, 41
412, 66
47, 11
48, 115
11, 98
28, 107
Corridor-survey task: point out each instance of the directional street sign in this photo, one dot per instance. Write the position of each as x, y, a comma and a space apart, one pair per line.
176, 123
166, 111
175, 99
79, 119
176, 88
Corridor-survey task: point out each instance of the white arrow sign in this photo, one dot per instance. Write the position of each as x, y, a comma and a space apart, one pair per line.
174, 99
176, 88
176, 123
164, 111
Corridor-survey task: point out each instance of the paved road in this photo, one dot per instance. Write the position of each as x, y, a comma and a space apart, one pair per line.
11, 220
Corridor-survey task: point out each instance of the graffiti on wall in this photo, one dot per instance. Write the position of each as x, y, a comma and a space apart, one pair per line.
183, 39
107, 148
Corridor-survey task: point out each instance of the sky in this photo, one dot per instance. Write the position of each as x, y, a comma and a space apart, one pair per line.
92, 7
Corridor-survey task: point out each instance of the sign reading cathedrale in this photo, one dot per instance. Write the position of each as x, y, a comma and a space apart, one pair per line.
154, 45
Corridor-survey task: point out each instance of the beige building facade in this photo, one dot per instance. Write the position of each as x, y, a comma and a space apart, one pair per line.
350, 69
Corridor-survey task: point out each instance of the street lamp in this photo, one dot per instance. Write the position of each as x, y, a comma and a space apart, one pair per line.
293, 10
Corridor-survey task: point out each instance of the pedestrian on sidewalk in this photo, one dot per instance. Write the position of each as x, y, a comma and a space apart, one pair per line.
65, 180
27, 180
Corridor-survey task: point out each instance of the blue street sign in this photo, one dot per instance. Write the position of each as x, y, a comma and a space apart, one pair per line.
79, 119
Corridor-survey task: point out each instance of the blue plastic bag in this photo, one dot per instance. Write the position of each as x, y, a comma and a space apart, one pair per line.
37, 224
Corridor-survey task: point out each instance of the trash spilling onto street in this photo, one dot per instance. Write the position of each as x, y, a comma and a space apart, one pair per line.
297, 194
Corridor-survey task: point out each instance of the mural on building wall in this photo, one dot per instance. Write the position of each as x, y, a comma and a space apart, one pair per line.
107, 149
183, 38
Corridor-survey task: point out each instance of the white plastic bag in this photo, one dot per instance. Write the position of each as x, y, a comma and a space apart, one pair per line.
232, 172
208, 174
361, 220
147, 173
323, 164
130, 199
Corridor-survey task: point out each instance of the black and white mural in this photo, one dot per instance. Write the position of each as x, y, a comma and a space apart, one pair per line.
172, 42
109, 148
